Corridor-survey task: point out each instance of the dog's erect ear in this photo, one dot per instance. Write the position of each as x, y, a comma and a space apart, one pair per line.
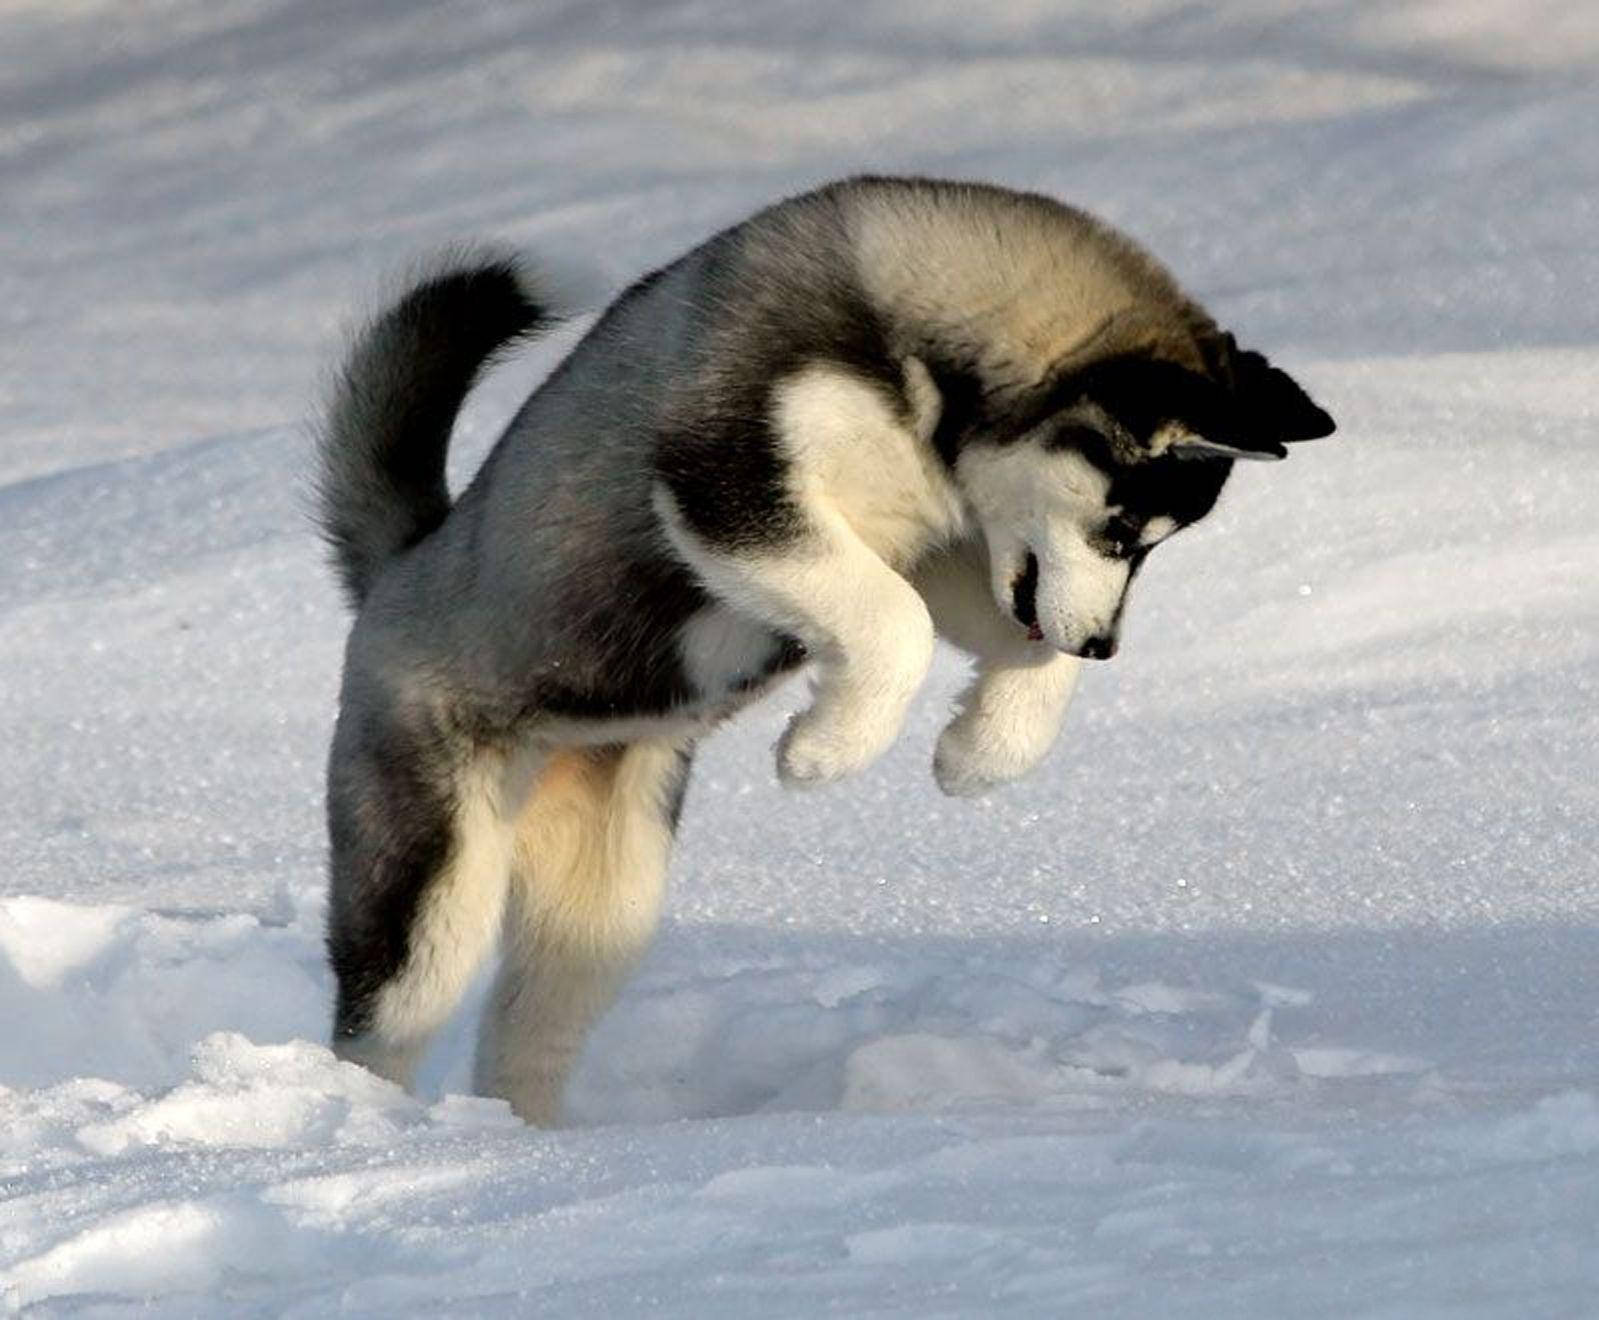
1270, 404
1255, 409
1240, 407
1185, 413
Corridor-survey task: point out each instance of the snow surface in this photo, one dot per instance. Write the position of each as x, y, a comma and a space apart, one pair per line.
1276, 993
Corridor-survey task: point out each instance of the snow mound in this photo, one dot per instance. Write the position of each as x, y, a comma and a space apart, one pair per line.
109, 991
928, 1032
198, 1029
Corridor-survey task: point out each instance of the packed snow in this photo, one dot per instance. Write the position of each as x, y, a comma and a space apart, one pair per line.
1274, 993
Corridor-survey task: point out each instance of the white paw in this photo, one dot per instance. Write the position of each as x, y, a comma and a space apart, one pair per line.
814, 751
970, 760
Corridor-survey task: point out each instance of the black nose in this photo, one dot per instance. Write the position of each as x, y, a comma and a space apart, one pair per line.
1098, 648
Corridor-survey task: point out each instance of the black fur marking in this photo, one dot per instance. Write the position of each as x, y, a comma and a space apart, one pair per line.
727, 481
391, 834
1273, 405
1256, 407
778, 308
961, 407
629, 663
1143, 394
1168, 488
1024, 594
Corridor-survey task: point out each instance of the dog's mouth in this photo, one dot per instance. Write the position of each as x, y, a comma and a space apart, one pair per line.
1024, 598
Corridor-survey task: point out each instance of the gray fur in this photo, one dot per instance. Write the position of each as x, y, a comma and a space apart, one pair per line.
382, 447
648, 489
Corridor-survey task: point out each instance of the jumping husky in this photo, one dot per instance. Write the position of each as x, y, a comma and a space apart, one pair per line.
882, 410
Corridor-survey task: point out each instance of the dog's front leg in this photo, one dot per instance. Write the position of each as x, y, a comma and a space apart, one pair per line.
1009, 717
1007, 722
873, 642
865, 627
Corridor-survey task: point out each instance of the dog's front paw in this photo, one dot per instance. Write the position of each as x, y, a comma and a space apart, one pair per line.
1007, 722
972, 758
814, 751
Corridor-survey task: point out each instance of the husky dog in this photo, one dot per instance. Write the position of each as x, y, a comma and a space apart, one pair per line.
884, 410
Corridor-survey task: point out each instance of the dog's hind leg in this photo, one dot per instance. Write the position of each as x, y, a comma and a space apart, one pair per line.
588, 875
420, 859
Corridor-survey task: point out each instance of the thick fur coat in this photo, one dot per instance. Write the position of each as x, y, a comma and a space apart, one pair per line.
882, 411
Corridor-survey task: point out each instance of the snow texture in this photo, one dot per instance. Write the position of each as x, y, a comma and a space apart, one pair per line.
1275, 993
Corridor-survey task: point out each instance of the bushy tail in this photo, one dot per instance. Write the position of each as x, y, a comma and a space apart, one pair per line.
387, 428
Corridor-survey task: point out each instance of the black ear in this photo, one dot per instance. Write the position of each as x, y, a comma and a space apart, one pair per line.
1270, 406
1185, 413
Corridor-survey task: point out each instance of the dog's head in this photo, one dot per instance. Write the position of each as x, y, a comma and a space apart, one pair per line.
1077, 482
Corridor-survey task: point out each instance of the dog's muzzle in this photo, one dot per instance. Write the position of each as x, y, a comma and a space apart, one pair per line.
1024, 606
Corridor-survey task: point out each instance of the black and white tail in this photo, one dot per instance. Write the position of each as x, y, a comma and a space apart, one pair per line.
383, 442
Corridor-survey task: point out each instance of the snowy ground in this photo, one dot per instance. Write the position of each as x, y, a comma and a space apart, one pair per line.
1275, 994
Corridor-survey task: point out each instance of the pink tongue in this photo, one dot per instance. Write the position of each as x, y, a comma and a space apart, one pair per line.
1035, 633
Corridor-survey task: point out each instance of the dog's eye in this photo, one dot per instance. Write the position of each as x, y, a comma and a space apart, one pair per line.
1121, 537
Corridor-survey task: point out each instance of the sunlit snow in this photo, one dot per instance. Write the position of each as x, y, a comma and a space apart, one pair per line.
1275, 993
